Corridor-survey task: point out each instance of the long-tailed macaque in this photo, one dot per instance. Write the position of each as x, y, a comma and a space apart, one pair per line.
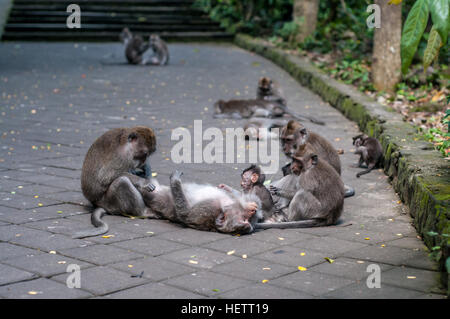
252, 182
260, 128
135, 47
239, 109
296, 138
160, 50
204, 207
270, 90
316, 199
370, 151
108, 176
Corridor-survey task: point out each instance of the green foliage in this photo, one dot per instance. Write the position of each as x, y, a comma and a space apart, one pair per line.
415, 26
252, 16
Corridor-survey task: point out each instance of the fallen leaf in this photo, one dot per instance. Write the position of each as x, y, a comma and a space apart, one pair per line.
329, 260
302, 254
193, 262
244, 256
302, 268
231, 252
411, 277
52, 252
107, 236
264, 281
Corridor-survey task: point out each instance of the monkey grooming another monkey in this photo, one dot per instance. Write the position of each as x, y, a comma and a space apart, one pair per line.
107, 178
252, 182
204, 207
370, 151
269, 90
134, 47
319, 196
160, 50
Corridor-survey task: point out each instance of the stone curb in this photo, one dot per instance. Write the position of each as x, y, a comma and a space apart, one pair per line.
418, 173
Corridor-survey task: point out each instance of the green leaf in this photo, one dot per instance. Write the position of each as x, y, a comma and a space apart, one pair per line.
433, 46
413, 29
439, 10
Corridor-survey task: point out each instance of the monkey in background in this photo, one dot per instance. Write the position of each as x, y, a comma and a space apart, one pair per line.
160, 50
239, 109
108, 176
270, 90
316, 199
134, 47
370, 151
252, 182
253, 125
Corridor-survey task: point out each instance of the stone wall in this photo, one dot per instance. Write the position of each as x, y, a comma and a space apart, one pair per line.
419, 174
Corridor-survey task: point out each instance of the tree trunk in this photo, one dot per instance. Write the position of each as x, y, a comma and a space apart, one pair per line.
305, 11
386, 60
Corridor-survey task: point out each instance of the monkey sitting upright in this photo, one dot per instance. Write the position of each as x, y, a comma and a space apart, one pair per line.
204, 207
134, 47
252, 182
318, 198
160, 50
107, 177
269, 90
370, 150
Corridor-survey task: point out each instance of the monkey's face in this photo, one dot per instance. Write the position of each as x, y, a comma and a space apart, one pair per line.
153, 39
301, 137
248, 179
287, 144
235, 219
125, 35
265, 84
296, 167
302, 164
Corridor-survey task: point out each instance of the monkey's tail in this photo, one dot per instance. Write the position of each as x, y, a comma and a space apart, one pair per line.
349, 191
296, 224
300, 117
96, 220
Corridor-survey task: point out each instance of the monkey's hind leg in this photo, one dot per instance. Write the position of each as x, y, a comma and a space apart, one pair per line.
181, 203
368, 170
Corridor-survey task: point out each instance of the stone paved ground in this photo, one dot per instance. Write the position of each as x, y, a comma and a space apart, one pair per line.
57, 98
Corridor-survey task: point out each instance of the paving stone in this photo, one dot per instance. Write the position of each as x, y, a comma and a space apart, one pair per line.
72, 197
328, 245
408, 242
207, 283
388, 255
264, 291
348, 268
154, 268
288, 255
254, 269
199, 257
361, 291
25, 201
365, 236
100, 254
34, 189
312, 283
154, 291
41, 289
45, 264
242, 245
193, 237
10, 274
8, 250
148, 226
411, 278
280, 236
102, 280
150, 246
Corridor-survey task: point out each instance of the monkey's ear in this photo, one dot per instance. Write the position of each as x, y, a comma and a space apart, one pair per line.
314, 159
303, 131
132, 137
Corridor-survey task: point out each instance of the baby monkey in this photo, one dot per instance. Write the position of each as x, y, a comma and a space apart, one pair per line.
134, 47
269, 90
160, 50
370, 151
252, 182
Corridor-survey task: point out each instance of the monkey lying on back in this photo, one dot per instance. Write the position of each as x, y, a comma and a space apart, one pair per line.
134, 47
108, 176
204, 207
261, 128
316, 199
370, 150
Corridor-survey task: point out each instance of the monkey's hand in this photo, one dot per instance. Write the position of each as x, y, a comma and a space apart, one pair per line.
149, 187
274, 190
251, 209
224, 187
176, 176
